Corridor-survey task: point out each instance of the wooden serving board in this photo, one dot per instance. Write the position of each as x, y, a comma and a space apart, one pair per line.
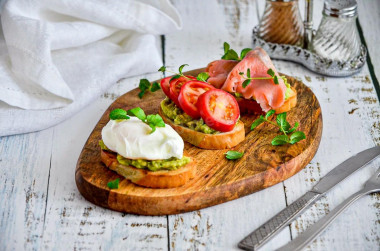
217, 179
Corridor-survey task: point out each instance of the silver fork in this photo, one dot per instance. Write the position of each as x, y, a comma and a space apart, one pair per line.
371, 186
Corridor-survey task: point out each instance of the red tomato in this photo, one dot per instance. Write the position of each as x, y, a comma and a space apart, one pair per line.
165, 86
188, 96
175, 88
219, 110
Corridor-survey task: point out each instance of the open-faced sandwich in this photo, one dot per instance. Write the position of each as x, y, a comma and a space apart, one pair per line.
145, 150
203, 115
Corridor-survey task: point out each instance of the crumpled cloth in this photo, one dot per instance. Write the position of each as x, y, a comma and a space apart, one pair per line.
56, 56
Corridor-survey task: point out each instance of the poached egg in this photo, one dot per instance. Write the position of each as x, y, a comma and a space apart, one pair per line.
132, 139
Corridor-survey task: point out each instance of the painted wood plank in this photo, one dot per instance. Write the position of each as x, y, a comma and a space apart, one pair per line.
72, 220
207, 24
24, 174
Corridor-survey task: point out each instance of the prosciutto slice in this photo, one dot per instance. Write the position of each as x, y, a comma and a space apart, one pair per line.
218, 71
265, 92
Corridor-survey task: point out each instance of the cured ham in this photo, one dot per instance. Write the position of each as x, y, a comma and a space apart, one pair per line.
219, 70
264, 91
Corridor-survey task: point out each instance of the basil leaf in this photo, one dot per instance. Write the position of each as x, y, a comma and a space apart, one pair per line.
269, 113
257, 122
248, 73
280, 140
270, 72
232, 155
244, 52
114, 184
144, 84
162, 69
203, 76
246, 82
226, 47
294, 128
155, 86
174, 77
118, 114
155, 120
230, 55
181, 68
141, 94
297, 136
137, 112
281, 119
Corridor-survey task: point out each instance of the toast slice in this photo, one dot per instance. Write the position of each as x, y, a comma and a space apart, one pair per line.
146, 178
208, 141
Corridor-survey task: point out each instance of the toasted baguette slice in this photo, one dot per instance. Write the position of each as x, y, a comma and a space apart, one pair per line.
289, 103
146, 178
208, 141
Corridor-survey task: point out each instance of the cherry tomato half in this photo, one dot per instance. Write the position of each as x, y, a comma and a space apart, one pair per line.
175, 87
165, 85
189, 94
219, 110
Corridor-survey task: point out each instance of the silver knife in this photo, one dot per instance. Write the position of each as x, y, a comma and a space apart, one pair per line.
266, 231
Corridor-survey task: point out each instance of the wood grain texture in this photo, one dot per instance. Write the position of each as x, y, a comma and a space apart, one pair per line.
217, 179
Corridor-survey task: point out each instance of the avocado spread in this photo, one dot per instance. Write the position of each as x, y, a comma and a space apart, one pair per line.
179, 117
152, 165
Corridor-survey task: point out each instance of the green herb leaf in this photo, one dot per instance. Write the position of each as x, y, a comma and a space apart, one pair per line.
203, 76
230, 55
155, 120
275, 79
280, 140
244, 52
269, 113
270, 72
118, 114
281, 119
241, 73
232, 155
226, 47
246, 82
143, 86
286, 126
114, 184
297, 136
181, 68
248, 72
294, 128
162, 69
155, 86
141, 94
137, 112
174, 77
257, 122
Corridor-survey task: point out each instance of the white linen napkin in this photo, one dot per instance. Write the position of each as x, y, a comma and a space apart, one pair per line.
56, 56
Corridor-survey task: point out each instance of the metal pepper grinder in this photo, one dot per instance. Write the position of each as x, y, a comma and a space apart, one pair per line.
337, 37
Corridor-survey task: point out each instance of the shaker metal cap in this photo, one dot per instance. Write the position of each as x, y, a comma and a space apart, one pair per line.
340, 8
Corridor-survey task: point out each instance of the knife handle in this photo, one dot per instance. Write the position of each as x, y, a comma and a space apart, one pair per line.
266, 231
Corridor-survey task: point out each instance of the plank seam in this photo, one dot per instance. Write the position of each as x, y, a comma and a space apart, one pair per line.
47, 189
371, 69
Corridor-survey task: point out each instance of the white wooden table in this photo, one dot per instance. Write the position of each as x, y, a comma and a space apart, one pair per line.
41, 208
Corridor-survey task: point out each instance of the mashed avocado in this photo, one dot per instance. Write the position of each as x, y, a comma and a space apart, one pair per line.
287, 92
179, 117
154, 165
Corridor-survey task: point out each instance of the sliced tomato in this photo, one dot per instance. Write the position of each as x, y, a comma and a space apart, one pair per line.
175, 87
165, 85
189, 94
219, 110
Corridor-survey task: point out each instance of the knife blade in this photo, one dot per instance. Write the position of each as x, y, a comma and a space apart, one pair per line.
266, 231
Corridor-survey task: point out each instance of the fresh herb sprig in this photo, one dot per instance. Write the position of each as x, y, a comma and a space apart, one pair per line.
285, 128
270, 72
203, 76
230, 54
232, 155
152, 120
145, 85
113, 184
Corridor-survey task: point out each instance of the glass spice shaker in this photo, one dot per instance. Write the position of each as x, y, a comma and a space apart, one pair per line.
337, 37
281, 23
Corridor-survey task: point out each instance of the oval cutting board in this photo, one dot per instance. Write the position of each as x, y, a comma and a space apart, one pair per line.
217, 179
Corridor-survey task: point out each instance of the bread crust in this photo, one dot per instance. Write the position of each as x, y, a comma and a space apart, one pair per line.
208, 141
146, 178
289, 103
